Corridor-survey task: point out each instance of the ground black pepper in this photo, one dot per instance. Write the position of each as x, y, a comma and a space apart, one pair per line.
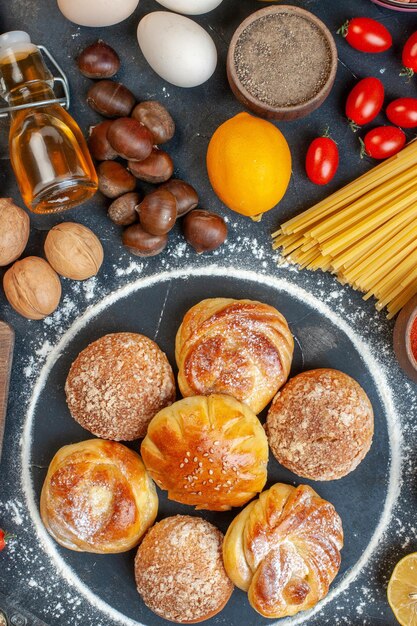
282, 59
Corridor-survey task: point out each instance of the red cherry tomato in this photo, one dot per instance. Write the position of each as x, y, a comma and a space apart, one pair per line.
365, 101
403, 112
322, 160
4, 538
383, 142
410, 55
366, 35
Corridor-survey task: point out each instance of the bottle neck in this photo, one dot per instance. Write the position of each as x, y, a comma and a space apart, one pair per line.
35, 91
24, 78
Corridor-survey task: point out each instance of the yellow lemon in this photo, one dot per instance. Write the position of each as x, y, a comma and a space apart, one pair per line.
249, 164
402, 590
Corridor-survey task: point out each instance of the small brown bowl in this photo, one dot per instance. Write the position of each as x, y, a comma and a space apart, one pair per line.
293, 111
402, 342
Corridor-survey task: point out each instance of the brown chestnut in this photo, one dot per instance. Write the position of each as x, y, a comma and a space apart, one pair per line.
114, 180
158, 212
157, 168
130, 139
98, 143
110, 99
141, 243
122, 211
204, 231
98, 60
155, 117
185, 195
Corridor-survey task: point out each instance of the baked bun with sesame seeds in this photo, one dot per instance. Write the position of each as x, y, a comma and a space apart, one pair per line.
97, 497
320, 425
117, 384
243, 348
210, 452
179, 570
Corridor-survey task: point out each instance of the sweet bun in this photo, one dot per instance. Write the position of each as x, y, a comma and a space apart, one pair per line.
207, 451
242, 348
117, 384
284, 550
97, 497
320, 425
179, 570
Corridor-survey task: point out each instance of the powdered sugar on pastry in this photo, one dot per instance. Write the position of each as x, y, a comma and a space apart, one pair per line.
351, 321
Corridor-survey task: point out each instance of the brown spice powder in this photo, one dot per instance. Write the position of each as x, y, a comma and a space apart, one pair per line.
282, 59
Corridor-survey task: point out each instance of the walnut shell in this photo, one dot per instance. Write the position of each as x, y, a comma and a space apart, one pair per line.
14, 231
32, 288
74, 251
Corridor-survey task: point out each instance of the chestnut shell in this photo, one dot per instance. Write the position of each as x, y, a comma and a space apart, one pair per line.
110, 99
185, 195
156, 168
141, 243
204, 231
114, 180
98, 60
158, 212
130, 139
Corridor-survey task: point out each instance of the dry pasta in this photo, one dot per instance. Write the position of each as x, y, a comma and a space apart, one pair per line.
365, 233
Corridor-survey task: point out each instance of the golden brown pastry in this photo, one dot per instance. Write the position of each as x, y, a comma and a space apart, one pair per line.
207, 451
284, 550
179, 570
97, 497
320, 425
117, 384
240, 347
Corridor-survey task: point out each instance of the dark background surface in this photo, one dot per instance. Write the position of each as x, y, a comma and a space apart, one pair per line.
198, 112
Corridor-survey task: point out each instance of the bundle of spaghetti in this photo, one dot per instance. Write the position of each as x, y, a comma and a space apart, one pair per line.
365, 233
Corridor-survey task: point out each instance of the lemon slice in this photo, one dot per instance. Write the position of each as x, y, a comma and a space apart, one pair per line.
402, 590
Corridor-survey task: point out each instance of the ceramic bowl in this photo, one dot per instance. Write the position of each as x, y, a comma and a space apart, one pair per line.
408, 7
261, 108
402, 343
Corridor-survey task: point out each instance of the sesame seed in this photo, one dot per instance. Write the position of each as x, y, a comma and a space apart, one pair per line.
188, 453
210, 481
200, 464
195, 459
199, 493
185, 460
216, 443
211, 472
205, 454
211, 460
211, 450
181, 465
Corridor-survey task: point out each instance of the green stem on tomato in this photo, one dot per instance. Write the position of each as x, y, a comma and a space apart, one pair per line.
408, 72
343, 30
363, 148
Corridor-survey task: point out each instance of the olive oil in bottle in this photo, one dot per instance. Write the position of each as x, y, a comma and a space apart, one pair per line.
48, 152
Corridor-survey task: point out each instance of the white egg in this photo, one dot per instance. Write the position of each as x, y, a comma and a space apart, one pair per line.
190, 7
177, 48
97, 12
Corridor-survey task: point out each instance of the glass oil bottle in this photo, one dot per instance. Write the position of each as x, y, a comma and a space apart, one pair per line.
48, 152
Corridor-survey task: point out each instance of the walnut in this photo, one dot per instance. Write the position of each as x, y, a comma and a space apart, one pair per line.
74, 251
14, 231
32, 288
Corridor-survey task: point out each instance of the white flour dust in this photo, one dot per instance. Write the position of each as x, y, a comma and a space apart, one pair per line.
65, 597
